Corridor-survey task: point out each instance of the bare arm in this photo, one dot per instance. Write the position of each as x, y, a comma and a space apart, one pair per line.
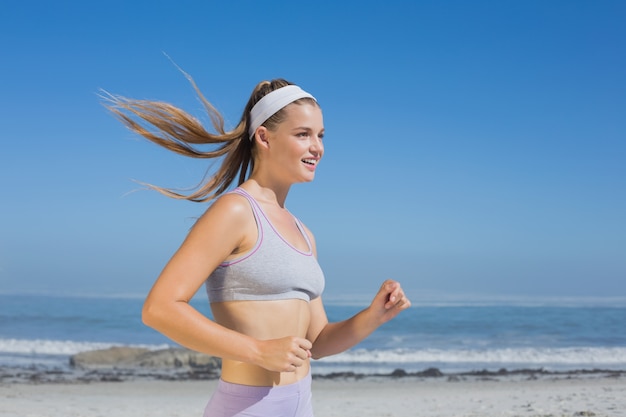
220, 232
332, 338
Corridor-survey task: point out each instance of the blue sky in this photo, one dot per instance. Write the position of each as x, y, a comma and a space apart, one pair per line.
472, 148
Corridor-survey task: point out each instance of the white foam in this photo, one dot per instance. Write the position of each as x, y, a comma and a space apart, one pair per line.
514, 356
22, 352
55, 347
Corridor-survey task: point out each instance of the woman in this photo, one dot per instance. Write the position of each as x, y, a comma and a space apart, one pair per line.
257, 260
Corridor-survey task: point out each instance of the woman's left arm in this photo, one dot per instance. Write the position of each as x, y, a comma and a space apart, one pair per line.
332, 338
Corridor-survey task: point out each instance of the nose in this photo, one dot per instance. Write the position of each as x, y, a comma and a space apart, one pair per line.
317, 146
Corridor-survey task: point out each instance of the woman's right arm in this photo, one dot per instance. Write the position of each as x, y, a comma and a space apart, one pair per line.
215, 236
220, 232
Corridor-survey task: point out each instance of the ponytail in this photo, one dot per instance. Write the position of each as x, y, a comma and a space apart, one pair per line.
176, 130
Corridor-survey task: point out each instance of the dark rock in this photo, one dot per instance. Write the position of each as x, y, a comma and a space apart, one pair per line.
339, 375
129, 357
399, 373
104, 358
177, 358
431, 372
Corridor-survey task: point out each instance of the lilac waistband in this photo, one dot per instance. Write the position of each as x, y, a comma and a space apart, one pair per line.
278, 391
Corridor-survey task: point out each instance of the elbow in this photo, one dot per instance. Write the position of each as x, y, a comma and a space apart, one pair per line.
316, 354
149, 314
160, 314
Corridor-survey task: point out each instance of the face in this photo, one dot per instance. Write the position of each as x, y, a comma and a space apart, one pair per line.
295, 147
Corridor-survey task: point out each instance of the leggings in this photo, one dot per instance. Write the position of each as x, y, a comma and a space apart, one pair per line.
234, 400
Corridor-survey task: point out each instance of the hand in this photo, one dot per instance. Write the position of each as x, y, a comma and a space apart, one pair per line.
389, 301
285, 354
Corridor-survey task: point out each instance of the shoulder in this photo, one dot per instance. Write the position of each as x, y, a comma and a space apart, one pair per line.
230, 207
223, 229
232, 204
228, 212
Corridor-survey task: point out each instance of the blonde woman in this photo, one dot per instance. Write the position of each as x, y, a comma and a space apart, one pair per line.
256, 259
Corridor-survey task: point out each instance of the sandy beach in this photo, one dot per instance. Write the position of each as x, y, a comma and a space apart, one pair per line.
345, 397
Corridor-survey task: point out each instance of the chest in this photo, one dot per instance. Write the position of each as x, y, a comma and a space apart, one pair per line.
286, 226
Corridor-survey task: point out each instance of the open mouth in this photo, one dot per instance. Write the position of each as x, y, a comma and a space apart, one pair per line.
311, 162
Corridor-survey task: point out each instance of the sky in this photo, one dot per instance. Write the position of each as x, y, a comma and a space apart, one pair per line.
472, 149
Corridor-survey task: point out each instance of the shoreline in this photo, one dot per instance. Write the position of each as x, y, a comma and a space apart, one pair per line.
122, 363
43, 375
138, 382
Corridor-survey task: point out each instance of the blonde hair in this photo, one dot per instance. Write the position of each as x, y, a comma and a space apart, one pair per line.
178, 131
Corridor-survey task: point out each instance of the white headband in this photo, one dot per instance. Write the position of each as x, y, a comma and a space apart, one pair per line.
271, 103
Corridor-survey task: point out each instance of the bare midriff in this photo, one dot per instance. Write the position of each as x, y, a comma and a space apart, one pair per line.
263, 320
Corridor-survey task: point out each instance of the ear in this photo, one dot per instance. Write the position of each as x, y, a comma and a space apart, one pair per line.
261, 137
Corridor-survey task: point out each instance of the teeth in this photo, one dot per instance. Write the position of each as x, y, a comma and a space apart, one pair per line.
309, 161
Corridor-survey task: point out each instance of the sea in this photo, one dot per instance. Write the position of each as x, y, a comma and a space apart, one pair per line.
561, 335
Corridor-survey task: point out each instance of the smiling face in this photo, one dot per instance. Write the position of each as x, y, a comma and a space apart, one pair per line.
294, 147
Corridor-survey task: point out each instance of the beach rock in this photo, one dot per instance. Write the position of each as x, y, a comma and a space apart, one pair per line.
431, 372
399, 373
122, 357
177, 358
103, 358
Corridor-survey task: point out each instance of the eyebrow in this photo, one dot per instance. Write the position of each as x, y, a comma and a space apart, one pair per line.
306, 128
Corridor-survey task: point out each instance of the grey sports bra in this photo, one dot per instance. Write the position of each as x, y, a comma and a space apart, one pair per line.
272, 270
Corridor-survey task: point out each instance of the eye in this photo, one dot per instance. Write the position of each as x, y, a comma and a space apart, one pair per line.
302, 134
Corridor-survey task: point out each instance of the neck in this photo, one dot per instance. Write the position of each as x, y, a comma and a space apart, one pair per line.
267, 191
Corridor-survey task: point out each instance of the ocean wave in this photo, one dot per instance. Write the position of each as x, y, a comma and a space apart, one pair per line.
55, 354
525, 356
57, 347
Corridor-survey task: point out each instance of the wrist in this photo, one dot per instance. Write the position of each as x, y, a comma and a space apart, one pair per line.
251, 351
372, 318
